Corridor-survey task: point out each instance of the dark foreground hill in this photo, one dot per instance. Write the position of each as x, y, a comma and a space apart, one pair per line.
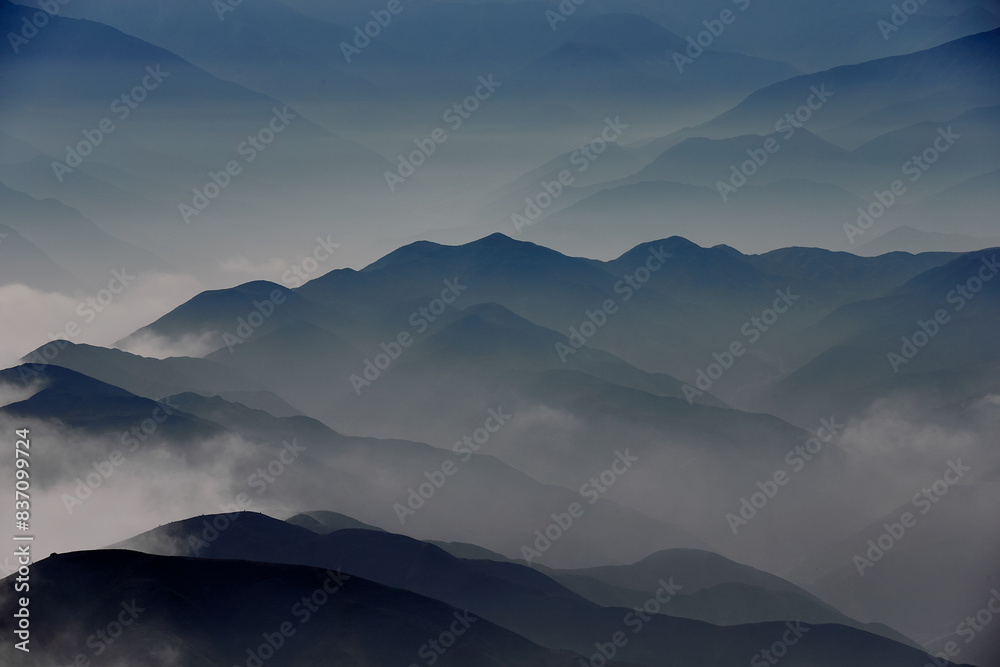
126, 608
525, 601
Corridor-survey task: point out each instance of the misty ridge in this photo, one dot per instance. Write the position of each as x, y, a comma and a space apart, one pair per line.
516, 332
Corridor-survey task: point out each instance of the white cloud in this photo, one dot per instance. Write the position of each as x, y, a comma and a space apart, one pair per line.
32, 317
149, 344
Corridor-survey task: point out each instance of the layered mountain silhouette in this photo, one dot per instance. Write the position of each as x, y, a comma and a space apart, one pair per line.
226, 612
481, 356
500, 592
520, 332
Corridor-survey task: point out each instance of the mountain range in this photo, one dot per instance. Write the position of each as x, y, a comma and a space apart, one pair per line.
500, 332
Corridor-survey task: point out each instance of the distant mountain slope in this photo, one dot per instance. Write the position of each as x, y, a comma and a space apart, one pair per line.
852, 346
915, 241
95, 408
787, 180
625, 61
254, 46
818, 38
71, 240
976, 198
851, 573
798, 211
717, 590
158, 378
323, 522
806, 36
25, 263
700, 161
943, 81
189, 124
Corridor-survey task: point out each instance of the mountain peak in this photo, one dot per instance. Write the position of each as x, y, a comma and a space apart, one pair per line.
672, 244
59, 380
478, 251
497, 239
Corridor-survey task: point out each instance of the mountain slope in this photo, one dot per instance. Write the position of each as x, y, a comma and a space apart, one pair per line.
157, 378
508, 594
25, 263
860, 352
189, 125
71, 240
716, 590
943, 81
201, 612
